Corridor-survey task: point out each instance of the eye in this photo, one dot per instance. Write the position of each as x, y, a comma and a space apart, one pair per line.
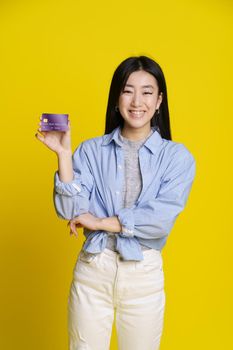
127, 91
148, 93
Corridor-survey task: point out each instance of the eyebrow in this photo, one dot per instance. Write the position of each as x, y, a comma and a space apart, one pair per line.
144, 86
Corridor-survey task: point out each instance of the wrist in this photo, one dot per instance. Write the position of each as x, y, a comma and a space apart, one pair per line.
63, 153
111, 224
99, 225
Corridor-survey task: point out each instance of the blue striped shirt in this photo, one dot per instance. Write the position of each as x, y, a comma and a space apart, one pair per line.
168, 170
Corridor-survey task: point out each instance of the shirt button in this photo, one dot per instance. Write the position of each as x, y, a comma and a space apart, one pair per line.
117, 192
119, 166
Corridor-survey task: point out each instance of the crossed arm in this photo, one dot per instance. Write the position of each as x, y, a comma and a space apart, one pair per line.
67, 175
151, 219
94, 223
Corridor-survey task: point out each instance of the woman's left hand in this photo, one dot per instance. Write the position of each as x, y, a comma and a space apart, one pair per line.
87, 220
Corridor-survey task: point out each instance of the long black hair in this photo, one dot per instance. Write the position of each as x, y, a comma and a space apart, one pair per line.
160, 119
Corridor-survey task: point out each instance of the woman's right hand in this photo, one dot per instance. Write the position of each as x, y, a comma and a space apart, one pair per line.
57, 141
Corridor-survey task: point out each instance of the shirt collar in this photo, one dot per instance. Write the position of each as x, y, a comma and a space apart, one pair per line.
152, 143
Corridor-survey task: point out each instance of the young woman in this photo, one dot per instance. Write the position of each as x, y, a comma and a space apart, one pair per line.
126, 189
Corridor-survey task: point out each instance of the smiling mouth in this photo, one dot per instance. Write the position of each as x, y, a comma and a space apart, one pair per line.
136, 114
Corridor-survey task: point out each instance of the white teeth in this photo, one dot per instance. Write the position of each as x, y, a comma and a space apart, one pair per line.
136, 113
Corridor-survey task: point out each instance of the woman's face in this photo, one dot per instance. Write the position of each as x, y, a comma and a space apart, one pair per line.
139, 100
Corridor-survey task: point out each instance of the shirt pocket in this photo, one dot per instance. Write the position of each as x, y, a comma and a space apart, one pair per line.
154, 188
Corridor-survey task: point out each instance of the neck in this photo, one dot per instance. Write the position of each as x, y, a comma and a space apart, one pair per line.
135, 134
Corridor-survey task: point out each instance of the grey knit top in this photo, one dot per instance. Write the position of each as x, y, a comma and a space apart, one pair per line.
133, 182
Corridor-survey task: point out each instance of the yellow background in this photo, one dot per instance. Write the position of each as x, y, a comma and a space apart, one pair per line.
59, 57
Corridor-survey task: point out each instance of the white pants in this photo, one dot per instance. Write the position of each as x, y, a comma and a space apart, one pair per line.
105, 284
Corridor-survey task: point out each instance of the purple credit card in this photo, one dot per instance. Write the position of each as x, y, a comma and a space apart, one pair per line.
54, 122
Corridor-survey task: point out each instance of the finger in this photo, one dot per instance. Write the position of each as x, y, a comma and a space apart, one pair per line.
73, 228
42, 132
72, 221
68, 128
76, 234
74, 231
39, 137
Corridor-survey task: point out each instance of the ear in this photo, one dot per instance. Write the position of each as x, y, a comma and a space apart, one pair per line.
160, 98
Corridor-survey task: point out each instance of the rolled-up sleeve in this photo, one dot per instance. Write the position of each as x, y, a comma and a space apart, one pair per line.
71, 199
155, 218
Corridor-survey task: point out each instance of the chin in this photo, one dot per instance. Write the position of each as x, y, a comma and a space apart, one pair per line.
138, 124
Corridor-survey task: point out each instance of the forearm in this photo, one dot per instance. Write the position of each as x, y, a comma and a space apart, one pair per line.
111, 224
65, 168
68, 207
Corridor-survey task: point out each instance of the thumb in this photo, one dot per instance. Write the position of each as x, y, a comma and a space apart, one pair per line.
39, 137
67, 132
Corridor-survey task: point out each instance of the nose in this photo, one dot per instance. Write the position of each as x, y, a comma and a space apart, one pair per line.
136, 99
